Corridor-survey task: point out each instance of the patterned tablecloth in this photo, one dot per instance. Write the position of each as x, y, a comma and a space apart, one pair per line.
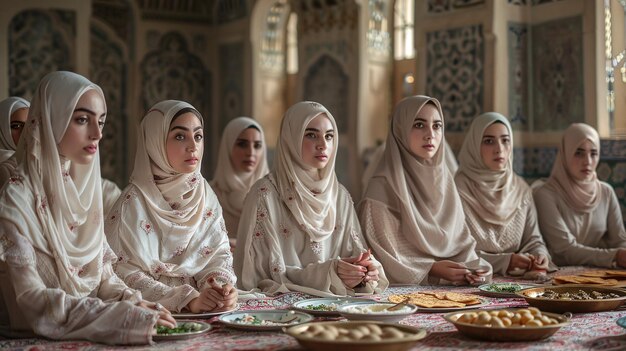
592, 331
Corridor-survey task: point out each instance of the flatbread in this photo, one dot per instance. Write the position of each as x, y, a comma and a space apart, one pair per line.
436, 299
579, 279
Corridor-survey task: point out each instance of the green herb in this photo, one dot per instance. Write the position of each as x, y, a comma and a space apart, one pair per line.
186, 327
321, 307
504, 288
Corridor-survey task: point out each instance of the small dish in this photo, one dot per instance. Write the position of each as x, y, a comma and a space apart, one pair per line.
204, 328
324, 306
525, 333
410, 336
622, 322
264, 319
205, 315
375, 311
500, 289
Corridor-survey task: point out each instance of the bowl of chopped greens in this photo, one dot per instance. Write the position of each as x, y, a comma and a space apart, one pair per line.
503, 289
324, 306
184, 329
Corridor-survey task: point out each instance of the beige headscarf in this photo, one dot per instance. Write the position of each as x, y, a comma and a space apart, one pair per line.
582, 196
236, 185
166, 236
431, 210
66, 222
494, 195
8, 106
311, 201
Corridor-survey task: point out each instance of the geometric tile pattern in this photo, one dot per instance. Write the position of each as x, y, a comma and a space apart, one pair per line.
518, 75
438, 6
328, 84
40, 41
455, 73
231, 82
557, 83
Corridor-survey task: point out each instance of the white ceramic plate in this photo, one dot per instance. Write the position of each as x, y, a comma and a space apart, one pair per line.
256, 320
359, 311
167, 337
205, 315
485, 289
326, 306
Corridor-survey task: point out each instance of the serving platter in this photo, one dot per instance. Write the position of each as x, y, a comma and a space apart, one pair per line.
326, 306
535, 297
376, 311
262, 320
204, 315
491, 290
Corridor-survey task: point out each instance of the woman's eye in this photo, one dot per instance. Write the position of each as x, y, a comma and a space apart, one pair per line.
199, 137
241, 144
437, 126
258, 146
310, 135
179, 137
329, 136
488, 141
17, 125
418, 125
81, 120
594, 154
578, 153
506, 140
101, 124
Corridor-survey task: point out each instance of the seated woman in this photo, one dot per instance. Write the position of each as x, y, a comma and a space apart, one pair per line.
411, 212
55, 264
167, 227
241, 162
499, 207
298, 228
579, 216
13, 112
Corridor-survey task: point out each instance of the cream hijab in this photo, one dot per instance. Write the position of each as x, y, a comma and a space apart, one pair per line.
582, 196
430, 207
236, 185
8, 106
494, 195
310, 194
175, 204
66, 222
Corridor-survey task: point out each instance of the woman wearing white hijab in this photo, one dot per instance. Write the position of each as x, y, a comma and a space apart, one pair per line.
498, 204
411, 212
167, 227
241, 162
579, 216
13, 114
55, 264
298, 228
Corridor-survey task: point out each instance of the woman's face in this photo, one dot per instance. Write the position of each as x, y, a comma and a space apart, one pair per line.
185, 143
18, 118
582, 165
427, 132
495, 148
247, 151
318, 143
84, 131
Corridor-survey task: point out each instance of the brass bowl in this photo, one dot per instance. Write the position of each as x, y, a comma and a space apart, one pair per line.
482, 332
395, 344
533, 297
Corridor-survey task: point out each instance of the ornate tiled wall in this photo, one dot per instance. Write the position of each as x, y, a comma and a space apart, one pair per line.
439, 6
557, 74
108, 69
455, 73
40, 41
327, 83
231, 82
518, 75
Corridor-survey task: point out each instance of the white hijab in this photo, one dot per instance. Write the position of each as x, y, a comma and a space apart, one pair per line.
9, 106
430, 207
582, 196
234, 185
494, 195
175, 206
312, 202
66, 222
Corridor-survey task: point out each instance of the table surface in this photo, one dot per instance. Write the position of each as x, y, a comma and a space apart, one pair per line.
589, 331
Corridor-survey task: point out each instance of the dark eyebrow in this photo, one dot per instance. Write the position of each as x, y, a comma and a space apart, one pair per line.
423, 120
493, 136
317, 130
185, 128
82, 109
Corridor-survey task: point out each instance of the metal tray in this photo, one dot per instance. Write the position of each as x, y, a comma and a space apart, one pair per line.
533, 297
508, 333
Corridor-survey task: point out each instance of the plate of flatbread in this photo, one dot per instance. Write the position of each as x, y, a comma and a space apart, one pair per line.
440, 301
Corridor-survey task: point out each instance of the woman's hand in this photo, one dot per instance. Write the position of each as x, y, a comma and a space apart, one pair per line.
478, 277
520, 261
165, 317
452, 271
541, 262
350, 274
225, 296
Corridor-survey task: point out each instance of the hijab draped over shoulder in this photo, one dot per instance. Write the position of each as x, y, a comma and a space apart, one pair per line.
231, 186
9, 106
310, 194
581, 195
166, 223
430, 208
494, 195
65, 221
